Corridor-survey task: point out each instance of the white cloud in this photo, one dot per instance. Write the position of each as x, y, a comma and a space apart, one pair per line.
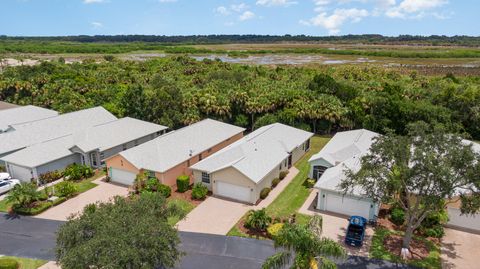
270, 3
413, 8
222, 11
247, 15
239, 7
96, 25
93, 1
167, 1
334, 21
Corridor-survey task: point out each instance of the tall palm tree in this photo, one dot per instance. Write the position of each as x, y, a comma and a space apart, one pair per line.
303, 249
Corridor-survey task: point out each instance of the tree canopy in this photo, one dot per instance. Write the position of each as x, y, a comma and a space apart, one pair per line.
126, 233
421, 172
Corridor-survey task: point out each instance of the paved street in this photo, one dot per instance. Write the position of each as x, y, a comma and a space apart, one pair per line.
35, 238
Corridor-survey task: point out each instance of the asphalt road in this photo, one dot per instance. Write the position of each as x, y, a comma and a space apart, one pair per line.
35, 238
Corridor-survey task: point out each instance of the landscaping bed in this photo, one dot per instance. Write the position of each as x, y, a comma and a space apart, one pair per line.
21, 263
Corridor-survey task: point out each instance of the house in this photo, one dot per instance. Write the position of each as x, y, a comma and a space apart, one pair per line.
456, 219
88, 146
23, 114
343, 151
171, 155
31, 133
241, 170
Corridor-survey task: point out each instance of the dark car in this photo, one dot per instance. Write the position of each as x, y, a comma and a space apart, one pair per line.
356, 231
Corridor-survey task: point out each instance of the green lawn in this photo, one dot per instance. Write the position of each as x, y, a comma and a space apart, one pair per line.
26, 263
82, 186
183, 204
378, 251
295, 194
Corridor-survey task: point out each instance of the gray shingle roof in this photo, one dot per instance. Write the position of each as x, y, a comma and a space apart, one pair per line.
178, 146
47, 129
258, 153
23, 114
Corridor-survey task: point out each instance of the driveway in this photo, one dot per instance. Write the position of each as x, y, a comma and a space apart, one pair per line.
335, 226
101, 193
460, 249
218, 216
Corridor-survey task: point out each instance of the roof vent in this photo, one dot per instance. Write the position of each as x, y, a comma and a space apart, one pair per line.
190, 153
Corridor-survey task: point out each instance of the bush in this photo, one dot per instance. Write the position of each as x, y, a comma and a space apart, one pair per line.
432, 225
283, 174
437, 232
49, 177
77, 172
397, 216
264, 193
257, 220
310, 183
183, 183
8, 263
65, 189
152, 185
273, 229
37, 209
199, 191
164, 190
275, 182
59, 201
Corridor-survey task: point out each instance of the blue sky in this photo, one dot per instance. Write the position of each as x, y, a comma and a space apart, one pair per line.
276, 17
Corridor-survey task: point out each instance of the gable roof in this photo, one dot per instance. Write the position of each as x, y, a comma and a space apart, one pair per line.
178, 146
345, 145
27, 134
102, 137
258, 153
108, 135
23, 114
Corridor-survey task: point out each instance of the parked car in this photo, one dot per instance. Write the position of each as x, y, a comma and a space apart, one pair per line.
4, 176
7, 185
356, 231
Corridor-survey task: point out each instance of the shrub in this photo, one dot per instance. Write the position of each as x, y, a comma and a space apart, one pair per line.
23, 195
65, 189
140, 182
310, 183
437, 232
397, 216
264, 193
49, 177
432, 225
77, 172
283, 174
274, 229
37, 209
8, 263
275, 182
183, 182
152, 185
164, 190
199, 191
257, 220
59, 201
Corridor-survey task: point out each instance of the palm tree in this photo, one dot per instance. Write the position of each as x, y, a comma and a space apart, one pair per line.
23, 195
303, 249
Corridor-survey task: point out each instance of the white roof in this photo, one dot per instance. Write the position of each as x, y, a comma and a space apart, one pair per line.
35, 132
345, 145
101, 137
114, 133
23, 114
42, 153
258, 153
178, 146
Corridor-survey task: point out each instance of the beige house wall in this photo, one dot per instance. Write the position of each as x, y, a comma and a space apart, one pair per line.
119, 162
298, 152
232, 176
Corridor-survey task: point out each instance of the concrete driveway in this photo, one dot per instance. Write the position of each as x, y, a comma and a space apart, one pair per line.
460, 249
218, 216
335, 227
101, 193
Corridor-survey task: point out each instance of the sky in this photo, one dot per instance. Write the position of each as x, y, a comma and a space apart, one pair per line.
273, 17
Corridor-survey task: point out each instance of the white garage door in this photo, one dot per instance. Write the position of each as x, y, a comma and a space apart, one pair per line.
122, 176
235, 192
347, 205
19, 172
463, 221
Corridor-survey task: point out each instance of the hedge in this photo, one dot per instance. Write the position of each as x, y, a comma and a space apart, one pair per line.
30, 211
264, 193
183, 183
283, 174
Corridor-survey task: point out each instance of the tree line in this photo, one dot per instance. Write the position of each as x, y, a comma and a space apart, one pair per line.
177, 91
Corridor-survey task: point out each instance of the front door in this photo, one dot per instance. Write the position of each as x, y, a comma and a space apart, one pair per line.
289, 161
93, 159
318, 171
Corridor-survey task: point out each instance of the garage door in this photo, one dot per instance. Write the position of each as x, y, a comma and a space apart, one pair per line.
468, 222
22, 173
232, 191
347, 205
122, 176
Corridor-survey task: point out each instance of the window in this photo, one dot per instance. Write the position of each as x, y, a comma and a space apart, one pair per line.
93, 158
102, 156
151, 174
280, 167
318, 171
307, 145
200, 157
205, 177
285, 162
124, 146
